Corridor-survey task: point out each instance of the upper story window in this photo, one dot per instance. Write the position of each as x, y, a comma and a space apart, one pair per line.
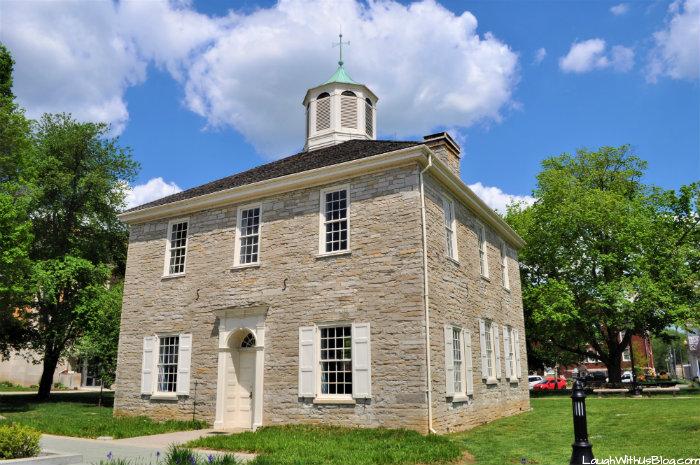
504, 266
483, 255
450, 227
176, 248
168, 351
334, 234
369, 118
323, 111
348, 110
248, 235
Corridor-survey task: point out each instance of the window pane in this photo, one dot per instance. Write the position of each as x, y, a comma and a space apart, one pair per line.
249, 236
336, 360
178, 243
168, 351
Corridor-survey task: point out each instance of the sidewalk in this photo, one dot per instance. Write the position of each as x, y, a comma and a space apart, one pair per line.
143, 449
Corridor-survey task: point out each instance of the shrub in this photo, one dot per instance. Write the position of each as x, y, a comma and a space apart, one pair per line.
179, 455
17, 442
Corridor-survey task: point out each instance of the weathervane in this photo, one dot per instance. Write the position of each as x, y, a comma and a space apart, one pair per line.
340, 44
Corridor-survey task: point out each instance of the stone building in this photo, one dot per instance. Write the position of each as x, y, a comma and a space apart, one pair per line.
359, 282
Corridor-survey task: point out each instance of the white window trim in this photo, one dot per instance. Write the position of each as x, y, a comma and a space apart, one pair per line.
504, 266
483, 250
491, 341
237, 242
330, 398
512, 354
447, 202
461, 396
166, 264
322, 217
156, 393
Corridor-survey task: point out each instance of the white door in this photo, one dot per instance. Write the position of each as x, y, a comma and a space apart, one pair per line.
240, 383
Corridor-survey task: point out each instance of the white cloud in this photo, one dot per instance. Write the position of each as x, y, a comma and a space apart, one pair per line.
540, 55
620, 9
593, 54
497, 199
154, 189
250, 70
676, 51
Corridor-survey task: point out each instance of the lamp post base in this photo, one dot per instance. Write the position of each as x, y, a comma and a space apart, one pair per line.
581, 453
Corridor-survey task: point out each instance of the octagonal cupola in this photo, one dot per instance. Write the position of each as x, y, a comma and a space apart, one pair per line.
338, 110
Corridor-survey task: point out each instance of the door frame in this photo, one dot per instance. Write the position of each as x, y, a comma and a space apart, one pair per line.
231, 322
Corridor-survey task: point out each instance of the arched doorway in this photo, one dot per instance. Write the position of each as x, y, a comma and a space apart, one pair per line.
240, 380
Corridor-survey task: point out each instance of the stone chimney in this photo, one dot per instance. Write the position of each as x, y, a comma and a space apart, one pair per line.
446, 149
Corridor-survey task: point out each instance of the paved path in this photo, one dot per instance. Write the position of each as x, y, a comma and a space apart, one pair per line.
142, 450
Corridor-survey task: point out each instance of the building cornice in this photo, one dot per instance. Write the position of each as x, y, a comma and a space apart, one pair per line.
329, 174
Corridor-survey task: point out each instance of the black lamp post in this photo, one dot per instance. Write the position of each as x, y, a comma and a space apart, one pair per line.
582, 451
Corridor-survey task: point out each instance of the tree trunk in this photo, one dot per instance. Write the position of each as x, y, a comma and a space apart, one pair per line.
50, 363
615, 368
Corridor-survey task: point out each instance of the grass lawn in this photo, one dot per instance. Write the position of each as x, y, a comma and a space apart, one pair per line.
617, 426
77, 415
336, 446
6, 386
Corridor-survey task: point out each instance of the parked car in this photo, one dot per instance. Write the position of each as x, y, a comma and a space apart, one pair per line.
551, 384
596, 378
534, 379
627, 377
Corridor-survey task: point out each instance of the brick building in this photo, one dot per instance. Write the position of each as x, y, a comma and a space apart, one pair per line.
359, 282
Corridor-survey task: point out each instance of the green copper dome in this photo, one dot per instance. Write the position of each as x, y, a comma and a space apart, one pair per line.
341, 76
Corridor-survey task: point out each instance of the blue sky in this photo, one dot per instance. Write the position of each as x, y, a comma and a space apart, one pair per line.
204, 89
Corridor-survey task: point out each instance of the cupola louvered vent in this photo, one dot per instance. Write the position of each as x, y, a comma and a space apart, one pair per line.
323, 113
348, 110
369, 120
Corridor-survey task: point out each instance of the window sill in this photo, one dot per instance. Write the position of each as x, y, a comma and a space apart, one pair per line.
513, 380
339, 253
163, 396
491, 381
460, 398
507, 289
246, 265
334, 401
486, 278
172, 276
453, 260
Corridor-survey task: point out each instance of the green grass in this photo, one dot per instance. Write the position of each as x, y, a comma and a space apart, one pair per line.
6, 386
659, 425
67, 416
617, 426
311, 445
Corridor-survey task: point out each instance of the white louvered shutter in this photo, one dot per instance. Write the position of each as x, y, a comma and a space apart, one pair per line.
148, 363
449, 363
482, 342
307, 361
469, 367
184, 362
518, 367
506, 351
497, 346
361, 361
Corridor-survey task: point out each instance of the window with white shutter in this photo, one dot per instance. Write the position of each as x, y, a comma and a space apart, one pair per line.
468, 364
490, 353
497, 346
184, 363
507, 351
148, 362
516, 344
307, 361
361, 361
456, 362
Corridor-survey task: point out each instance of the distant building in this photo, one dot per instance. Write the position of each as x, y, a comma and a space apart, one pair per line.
694, 353
643, 348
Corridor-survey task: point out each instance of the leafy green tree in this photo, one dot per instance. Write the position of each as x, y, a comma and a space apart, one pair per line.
607, 256
99, 342
78, 243
15, 225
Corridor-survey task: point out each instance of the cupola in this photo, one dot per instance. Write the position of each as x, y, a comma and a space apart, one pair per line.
338, 110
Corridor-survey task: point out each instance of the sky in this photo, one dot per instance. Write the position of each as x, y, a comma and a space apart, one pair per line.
203, 89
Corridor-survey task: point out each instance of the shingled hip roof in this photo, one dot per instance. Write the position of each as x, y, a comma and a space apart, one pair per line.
302, 161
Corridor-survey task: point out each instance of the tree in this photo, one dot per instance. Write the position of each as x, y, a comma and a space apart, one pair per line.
99, 342
607, 256
78, 242
15, 224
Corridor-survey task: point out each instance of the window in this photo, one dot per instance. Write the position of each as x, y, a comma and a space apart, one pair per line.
176, 248
590, 359
248, 235
450, 227
626, 355
457, 359
248, 341
459, 382
348, 110
490, 365
334, 233
168, 349
504, 266
509, 346
336, 361
483, 256
323, 111
369, 118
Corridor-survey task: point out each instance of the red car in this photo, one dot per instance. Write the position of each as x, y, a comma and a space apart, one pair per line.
550, 384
